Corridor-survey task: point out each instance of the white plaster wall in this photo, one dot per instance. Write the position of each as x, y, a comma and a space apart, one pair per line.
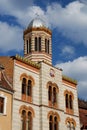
45, 120
45, 78
40, 98
16, 122
18, 83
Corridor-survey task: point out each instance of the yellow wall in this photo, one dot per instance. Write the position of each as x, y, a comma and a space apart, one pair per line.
6, 120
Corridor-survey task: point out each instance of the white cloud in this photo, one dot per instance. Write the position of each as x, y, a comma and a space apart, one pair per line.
10, 37
14, 34
12, 6
77, 69
68, 50
71, 21
27, 15
23, 12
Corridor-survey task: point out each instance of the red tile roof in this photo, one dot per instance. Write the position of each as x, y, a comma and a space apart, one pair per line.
8, 64
4, 83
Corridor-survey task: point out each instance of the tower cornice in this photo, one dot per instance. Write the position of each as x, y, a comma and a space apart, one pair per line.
28, 30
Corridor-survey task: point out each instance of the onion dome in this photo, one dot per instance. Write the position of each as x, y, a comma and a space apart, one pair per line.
37, 22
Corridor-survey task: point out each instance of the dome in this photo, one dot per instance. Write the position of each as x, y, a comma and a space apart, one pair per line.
37, 22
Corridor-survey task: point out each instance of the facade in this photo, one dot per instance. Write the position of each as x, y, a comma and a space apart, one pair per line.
43, 98
6, 94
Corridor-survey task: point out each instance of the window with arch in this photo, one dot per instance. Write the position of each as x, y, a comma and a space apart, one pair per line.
26, 120
69, 101
52, 94
70, 123
27, 115
28, 45
37, 43
47, 46
27, 84
26, 89
53, 121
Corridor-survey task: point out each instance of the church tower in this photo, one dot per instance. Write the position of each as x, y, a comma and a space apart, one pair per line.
37, 42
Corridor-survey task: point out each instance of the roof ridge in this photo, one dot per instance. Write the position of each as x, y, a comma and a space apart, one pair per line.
27, 61
6, 79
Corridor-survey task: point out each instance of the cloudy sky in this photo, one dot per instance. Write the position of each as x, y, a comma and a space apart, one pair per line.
68, 21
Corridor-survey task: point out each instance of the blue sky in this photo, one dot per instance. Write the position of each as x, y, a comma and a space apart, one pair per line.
68, 21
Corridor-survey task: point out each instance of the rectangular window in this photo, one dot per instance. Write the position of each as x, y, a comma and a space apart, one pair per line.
2, 100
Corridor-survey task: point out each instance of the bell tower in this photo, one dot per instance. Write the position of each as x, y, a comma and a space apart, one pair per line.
38, 42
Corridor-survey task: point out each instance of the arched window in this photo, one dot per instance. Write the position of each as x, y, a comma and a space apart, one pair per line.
36, 44
68, 126
66, 100
71, 124
50, 93
29, 88
47, 46
50, 122
55, 123
29, 44
39, 44
54, 95
23, 120
27, 115
53, 120
24, 86
70, 102
29, 121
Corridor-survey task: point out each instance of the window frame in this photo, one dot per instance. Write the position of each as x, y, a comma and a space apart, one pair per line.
4, 107
54, 120
47, 43
28, 45
52, 94
27, 110
38, 46
69, 103
26, 125
70, 123
27, 95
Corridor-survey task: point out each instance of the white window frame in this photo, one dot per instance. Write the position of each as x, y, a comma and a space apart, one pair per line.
5, 102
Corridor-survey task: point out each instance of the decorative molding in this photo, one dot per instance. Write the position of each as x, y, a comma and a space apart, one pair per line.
53, 114
71, 120
69, 93
28, 77
27, 109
